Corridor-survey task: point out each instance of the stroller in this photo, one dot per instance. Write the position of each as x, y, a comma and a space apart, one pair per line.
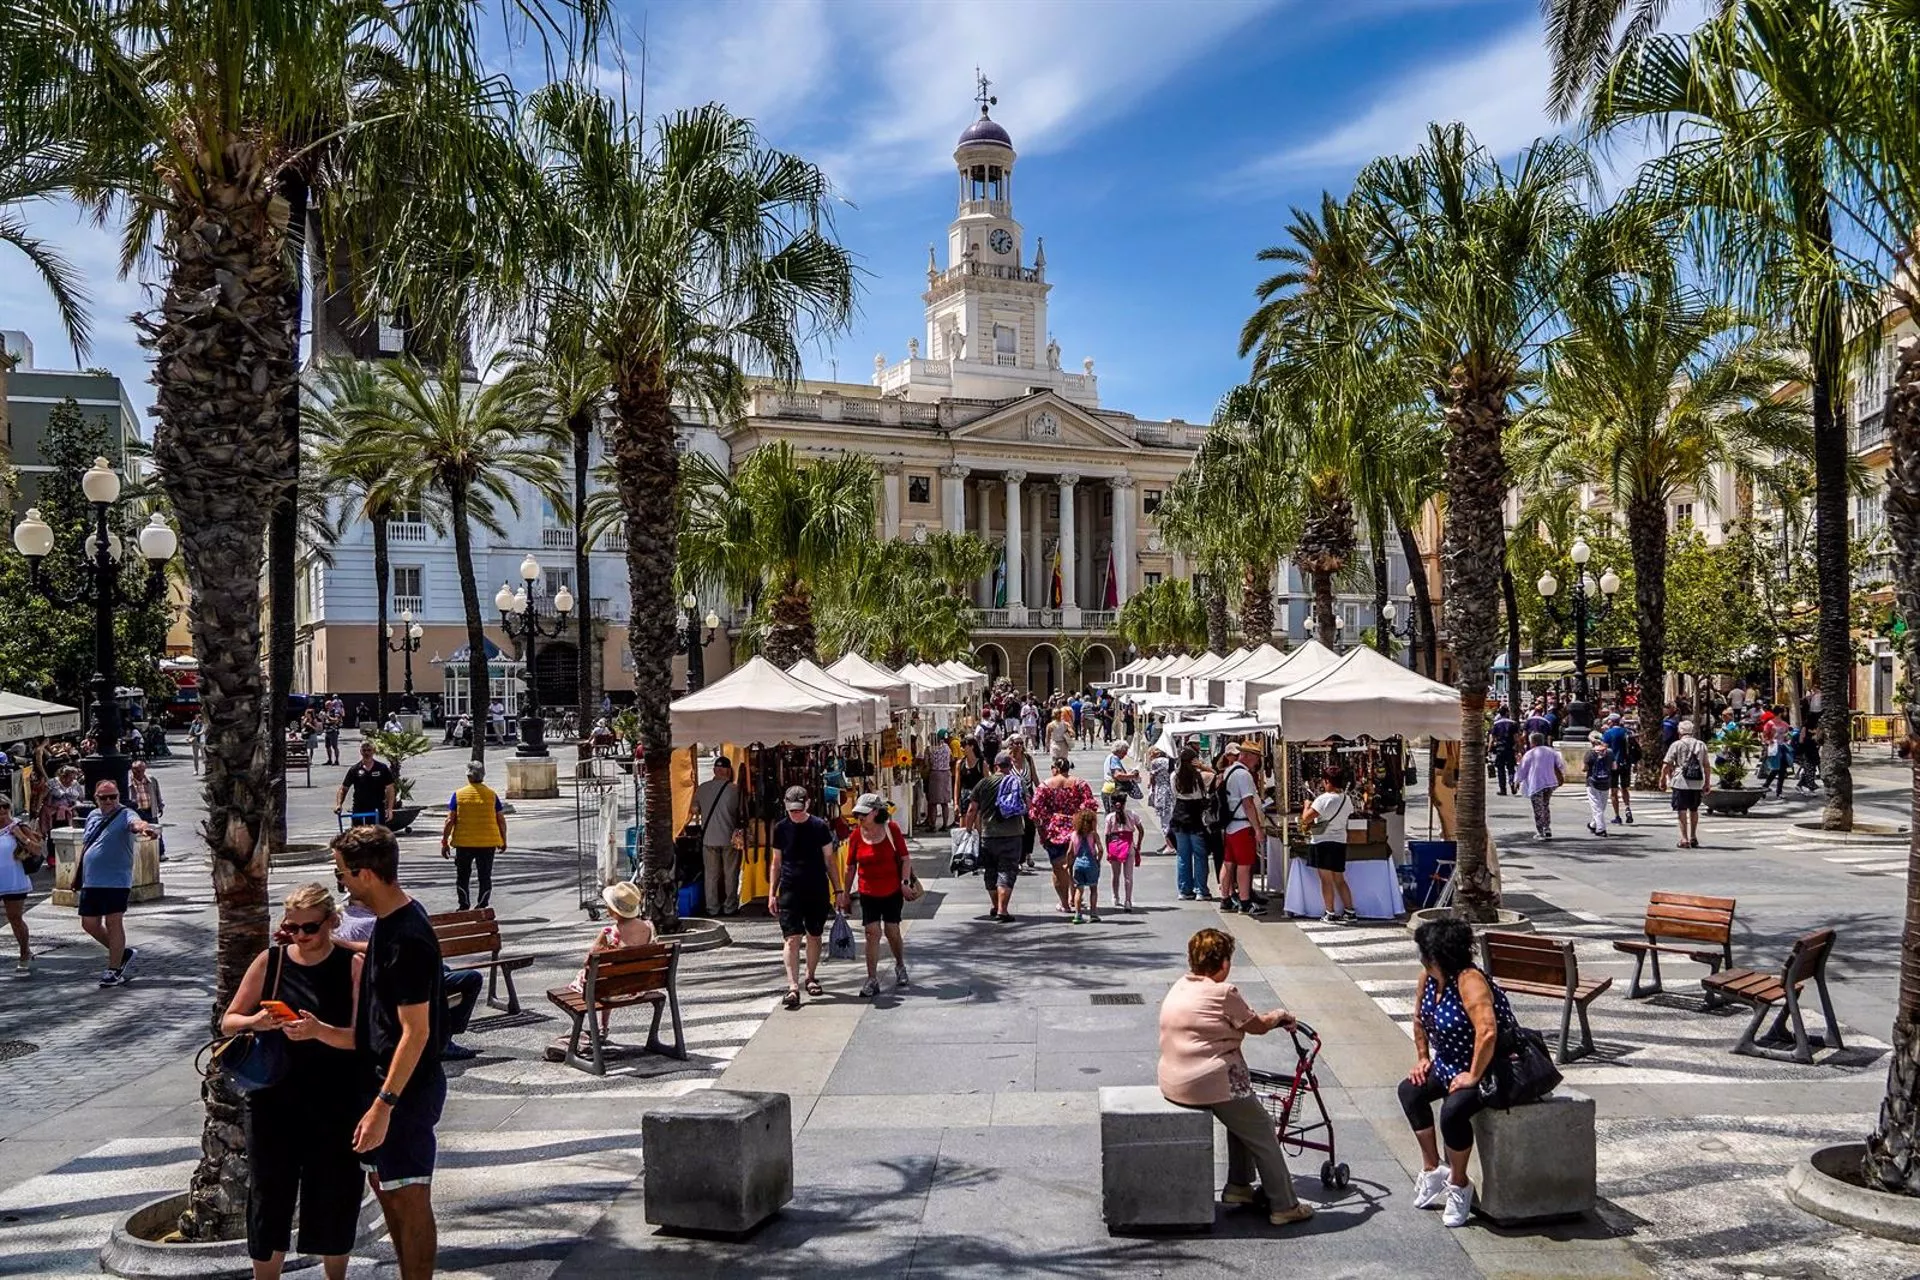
1283, 1094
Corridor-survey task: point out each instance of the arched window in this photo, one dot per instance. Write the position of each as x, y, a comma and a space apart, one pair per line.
996, 189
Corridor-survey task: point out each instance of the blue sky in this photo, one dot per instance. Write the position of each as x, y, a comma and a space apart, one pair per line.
1160, 145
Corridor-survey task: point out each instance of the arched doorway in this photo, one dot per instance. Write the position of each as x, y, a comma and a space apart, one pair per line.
1043, 670
1097, 666
992, 660
557, 669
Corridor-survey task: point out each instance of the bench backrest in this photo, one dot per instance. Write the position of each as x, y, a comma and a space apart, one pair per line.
1809, 956
1529, 957
1690, 918
466, 933
628, 971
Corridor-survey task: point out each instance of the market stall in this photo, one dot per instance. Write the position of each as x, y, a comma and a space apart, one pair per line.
1214, 692
1244, 689
1355, 716
1192, 682
874, 678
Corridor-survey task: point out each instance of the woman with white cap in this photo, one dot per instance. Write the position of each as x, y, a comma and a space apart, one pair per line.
877, 855
801, 875
1599, 765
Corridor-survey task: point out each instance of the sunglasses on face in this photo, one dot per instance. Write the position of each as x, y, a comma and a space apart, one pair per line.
308, 929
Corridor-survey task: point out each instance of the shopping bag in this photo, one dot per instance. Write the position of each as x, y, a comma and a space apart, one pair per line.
840, 938
966, 852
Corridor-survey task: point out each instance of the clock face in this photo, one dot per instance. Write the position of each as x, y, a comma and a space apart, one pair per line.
1001, 241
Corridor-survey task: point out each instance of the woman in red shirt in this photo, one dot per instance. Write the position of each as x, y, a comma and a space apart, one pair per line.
878, 853
1054, 803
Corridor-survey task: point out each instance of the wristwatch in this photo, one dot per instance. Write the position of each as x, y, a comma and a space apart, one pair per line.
389, 1097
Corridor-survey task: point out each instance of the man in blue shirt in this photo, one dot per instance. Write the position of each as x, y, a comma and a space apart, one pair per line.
1619, 740
105, 877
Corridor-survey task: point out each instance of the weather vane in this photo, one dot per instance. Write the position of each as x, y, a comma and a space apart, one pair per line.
981, 97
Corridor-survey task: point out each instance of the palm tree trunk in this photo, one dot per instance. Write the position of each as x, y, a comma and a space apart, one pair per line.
223, 363
1256, 602
1382, 634
1422, 598
1647, 538
1217, 618
790, 635
1511, 598
479, 669
383, 579
283, 527
589, 671
1474, 555
1323, 607
1893, 1148
1830, 458
647, 474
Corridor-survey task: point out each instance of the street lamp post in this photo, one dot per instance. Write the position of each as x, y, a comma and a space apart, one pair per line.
408, 644
689, 640
1585, 615
520, 619
1391, 614
100, 587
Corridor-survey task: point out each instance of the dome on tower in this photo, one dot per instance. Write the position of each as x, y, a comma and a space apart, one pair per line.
985, 130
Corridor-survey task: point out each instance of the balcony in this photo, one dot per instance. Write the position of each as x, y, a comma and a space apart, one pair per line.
1099, 619
556, 539
416, 605
1870, 433
406, 531
614, 540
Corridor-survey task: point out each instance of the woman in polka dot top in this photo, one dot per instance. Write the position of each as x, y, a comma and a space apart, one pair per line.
1457, 1023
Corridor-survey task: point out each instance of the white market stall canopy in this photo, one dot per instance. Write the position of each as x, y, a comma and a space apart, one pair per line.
874, 678
24, 717
1204, 666
930, 689
1244, 690
758, 702
872, 707
970, 680
1222, 726
1365, 693
1130, 668
1137, 679
1159, 680
1215, 690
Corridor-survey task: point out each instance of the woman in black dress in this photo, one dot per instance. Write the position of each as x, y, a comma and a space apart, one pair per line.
300, 1131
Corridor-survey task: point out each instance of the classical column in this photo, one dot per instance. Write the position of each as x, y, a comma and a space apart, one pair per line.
1123, 548
890, 497
1069, 551
953, 497
983, 498
1037, 547
1016, 580
1089, 589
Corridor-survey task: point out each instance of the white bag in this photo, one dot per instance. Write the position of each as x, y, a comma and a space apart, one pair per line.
966, 852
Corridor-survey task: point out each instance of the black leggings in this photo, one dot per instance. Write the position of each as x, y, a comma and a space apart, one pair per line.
1456, 1113
300, 1147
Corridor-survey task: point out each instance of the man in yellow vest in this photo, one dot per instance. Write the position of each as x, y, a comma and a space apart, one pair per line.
476, 829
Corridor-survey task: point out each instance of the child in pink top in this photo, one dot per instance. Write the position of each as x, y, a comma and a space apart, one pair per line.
1122, 834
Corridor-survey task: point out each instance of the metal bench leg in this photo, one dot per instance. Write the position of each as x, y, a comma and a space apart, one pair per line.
1659, 984
1566, 1028
1826, 1008
1713, 998
1586, 1033
513, 997
653, 1032
1745, 1044
679, 1037
595, 1039
573, 1058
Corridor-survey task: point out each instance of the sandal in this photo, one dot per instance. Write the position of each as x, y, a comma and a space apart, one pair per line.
793, 998
813, 988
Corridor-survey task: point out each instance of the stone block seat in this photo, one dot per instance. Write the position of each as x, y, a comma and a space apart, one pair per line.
1156, 1161
718, 1161
1537, 1160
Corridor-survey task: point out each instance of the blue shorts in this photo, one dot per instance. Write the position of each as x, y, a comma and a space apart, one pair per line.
407, 1155
1086, 872
103, 902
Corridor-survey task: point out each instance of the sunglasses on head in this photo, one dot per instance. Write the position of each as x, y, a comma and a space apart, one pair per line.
308, 929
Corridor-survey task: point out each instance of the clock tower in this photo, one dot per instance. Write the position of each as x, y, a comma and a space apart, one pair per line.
987, 307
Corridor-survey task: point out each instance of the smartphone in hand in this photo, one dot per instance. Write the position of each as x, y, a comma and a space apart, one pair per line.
281, 1010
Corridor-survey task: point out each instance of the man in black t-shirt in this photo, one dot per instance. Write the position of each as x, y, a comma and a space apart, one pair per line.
806, 888
397, 1034
372, 783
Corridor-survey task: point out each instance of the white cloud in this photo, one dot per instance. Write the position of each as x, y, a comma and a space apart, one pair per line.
1500, 93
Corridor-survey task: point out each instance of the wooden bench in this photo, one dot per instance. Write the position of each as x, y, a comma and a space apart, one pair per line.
625, 976
1807, 962
299, 756
475, 937
1681, 918
1529, 964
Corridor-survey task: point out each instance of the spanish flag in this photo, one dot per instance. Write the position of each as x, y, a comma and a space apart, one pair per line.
1057, 589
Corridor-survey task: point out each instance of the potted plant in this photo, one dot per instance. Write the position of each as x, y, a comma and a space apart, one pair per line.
1730, 794
395, 749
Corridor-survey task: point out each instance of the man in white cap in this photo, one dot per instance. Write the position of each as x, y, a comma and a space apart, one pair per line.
1688, 773
806, 889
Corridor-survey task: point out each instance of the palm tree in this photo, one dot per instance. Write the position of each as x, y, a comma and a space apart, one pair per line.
1469, 262
217, 133
1653, 390
35, 167
1754, 179
1192, 526
343, 395
688, 254
905, 601
472, 448
568, 378
1163, 617
775, 528
1237, 511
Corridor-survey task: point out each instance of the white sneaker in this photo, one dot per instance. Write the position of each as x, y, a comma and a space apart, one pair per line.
1459, 1206
1430, 1188
900, 975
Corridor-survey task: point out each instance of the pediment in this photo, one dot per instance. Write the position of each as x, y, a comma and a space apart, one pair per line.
1045, 420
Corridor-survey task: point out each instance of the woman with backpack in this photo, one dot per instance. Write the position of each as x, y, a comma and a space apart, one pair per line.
1122, 834
1599, 766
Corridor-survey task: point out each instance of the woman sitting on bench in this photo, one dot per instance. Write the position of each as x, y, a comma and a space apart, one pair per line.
627, 930
1459, 1017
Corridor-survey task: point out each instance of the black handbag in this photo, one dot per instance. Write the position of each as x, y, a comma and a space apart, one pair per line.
252, 1060
1522, 1071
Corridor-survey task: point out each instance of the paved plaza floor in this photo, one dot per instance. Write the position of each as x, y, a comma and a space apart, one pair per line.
952, 1129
